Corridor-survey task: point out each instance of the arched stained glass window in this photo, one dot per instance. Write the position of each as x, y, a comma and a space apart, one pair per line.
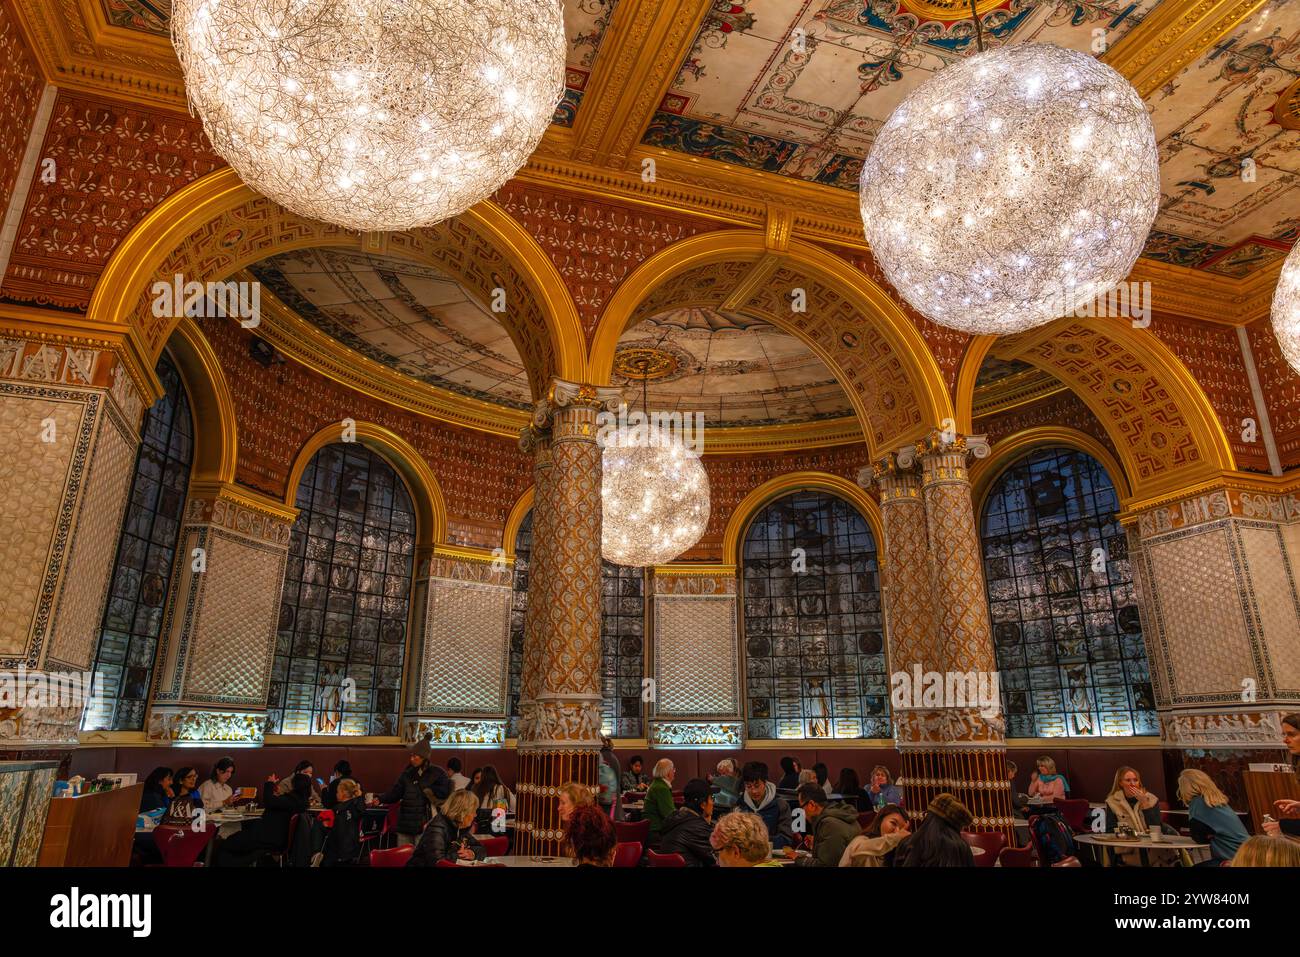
814, 633
146, 551
622, 640
1061, 597
346, 598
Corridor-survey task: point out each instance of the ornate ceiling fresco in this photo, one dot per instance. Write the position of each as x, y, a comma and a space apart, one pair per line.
736, 370
799, 87
411, 318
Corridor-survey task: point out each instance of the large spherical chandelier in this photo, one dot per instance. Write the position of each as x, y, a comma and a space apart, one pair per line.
1012, 188
1286, 308
373, 114
655, 498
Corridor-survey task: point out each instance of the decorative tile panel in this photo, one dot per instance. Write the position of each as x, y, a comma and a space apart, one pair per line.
467, 630
697, 668
1273, 588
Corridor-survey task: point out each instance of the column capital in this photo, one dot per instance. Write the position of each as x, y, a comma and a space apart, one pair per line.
895, 479
943, 455
563, 396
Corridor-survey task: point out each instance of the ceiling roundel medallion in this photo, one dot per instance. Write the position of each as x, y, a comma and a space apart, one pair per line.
948, 11
643, 362
1286, 111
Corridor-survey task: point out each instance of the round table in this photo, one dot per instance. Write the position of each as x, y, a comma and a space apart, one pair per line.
1143, 843
526, 860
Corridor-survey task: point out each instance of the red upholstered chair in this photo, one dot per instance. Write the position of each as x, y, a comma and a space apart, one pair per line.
865, 819
397, 857
990, 842
666, 860
1074, 811
495, 846
1017, 857
627, 855
632, 831
181, 846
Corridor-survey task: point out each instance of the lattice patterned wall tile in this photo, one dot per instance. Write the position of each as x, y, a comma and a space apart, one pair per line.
1199, 605
84, 588
697, 670
1272, 578
466, 639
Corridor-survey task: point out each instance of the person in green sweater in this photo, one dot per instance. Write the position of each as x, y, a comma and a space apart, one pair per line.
659, 799
832, 824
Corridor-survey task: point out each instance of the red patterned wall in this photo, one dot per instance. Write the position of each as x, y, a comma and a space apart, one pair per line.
1064, 408
21, 83
1281, 387
279, 408
595, 245
114, 162
1213, 353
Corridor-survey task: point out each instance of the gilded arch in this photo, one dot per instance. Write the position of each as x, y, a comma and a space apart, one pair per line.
523, 505
851, 324
216, 442
426, 495
217, 226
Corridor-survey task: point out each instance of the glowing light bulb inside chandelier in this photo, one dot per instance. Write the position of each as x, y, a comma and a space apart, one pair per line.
1286, 308
1012, 188
373, 114
655, 498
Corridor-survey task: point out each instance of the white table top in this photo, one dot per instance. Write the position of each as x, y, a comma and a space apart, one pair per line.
1166, 840
524, 860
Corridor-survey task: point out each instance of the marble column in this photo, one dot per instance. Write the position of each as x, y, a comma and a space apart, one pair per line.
559, 707
971, 722
71, 404
218, 635
910, 629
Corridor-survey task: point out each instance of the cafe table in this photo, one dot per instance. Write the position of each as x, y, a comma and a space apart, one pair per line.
529, 860
1143, 842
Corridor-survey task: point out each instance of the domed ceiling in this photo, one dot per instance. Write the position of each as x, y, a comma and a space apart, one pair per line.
414, 319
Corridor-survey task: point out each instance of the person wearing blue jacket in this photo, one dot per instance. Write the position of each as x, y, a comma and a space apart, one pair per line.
881, 789
1212, 819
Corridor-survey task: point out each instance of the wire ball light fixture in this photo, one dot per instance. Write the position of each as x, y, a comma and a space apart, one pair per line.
1286, 308
655, 495
1012, 187
373, 114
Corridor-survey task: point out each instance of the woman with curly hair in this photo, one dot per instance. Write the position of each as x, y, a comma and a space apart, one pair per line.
589, 836
741, 840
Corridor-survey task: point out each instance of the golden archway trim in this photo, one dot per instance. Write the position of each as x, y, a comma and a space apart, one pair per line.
523, 505
216, 441
743, 515
207, 202
426, 494
1010, 450
977, 350
878, 310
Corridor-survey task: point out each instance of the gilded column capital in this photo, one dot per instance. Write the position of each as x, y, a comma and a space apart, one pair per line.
943, 455
569, 410
895, 474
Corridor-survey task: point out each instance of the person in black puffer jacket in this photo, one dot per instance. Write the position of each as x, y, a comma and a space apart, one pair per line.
343, 843
419, 788
448, 837
687, 830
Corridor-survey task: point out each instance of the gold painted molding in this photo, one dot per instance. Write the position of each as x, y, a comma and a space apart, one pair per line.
426, 494
469, 553
685, 570
510, 534
787, 437
244, 497
216, 439
1242, 481
743, 514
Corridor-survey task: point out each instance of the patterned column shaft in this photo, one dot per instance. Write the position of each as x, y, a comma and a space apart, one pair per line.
539, 443
69, 427
972, 722
559, 720
218, 636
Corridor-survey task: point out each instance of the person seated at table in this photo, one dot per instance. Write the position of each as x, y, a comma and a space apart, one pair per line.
806, 776
305, 768
1264, 850
573, 796
270, 833
458, 781
157, 791
937, 841
186, 800
760, 798
659, 804
490, 791
726, 786
342, 844
1211, 819
590, 838
790, 769
448, 836
741, 841
474, 777
876, 845
823, 775
329, 796
1045, 784
881, 789
1131, 804
686, 831
831, 825
849, 788
1286, 810
420, 787
1019, 800
216, 791
633, 779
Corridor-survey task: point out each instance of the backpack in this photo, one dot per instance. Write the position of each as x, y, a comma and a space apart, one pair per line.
1053, 838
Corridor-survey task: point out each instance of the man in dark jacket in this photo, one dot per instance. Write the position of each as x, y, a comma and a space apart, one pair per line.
687, 830
831, 824
418, 788
760, 798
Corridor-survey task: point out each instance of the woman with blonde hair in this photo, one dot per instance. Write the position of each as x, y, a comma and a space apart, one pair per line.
1131, 804
1212, 819
741, 841
447, 837
573, 795
1264, 851
1045, 784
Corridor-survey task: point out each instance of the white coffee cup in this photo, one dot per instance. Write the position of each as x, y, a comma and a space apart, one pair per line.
1155, 833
